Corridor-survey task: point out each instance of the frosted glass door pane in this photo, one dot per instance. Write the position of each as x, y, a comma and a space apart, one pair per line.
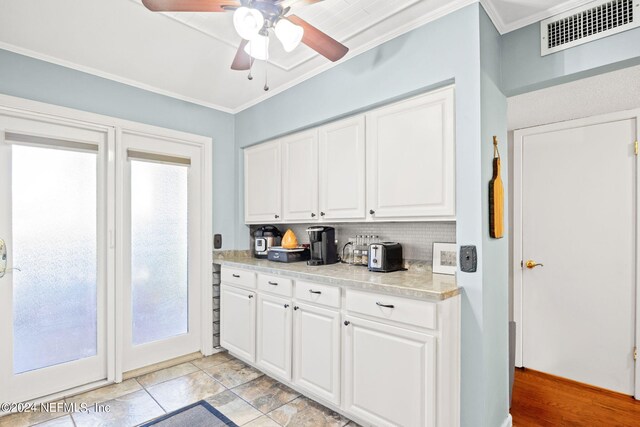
54, 243
158, 251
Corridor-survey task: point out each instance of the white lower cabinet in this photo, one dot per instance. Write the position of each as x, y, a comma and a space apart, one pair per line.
274, 335
389, 374
316, 351
382, 360
238, 321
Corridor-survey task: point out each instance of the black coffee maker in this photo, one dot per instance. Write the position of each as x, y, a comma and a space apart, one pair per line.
323, 245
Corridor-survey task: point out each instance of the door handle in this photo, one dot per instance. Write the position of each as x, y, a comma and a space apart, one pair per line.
532, 264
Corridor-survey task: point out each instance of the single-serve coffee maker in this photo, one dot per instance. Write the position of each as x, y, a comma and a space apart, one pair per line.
323, 245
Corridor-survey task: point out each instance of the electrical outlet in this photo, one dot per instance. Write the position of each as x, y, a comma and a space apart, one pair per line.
468, 259
217, 241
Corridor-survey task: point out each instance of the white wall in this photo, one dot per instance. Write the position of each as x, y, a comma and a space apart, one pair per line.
606, 93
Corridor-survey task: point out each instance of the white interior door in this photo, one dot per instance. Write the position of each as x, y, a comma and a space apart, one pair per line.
53, 270
576, 215
161, 249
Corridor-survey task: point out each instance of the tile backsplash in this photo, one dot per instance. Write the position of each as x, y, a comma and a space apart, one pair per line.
417, 238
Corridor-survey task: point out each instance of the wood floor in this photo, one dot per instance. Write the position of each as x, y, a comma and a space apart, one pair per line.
544, 400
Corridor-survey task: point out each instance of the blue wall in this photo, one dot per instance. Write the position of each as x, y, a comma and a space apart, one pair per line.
444, 51
37, 80
525, 70
495, 278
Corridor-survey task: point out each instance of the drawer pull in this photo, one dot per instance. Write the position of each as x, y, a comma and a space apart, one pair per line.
237, 276
379, 304
273, 283
286, 306
315, 292
347, 323
250, 296
295, 307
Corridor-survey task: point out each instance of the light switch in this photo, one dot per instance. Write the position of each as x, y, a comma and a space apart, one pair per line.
468, 259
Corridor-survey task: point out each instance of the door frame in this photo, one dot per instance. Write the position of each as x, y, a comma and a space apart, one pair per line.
158, 351
114, 266
518, 270
105, 250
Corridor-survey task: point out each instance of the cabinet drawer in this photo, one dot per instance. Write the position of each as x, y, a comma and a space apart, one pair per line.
403, 310
276, 285
235, 276
318, 294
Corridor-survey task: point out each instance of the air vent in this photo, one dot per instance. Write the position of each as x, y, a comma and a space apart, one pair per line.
593, 21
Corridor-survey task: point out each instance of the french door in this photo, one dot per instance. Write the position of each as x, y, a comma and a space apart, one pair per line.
105, 259
161, 248
53, 255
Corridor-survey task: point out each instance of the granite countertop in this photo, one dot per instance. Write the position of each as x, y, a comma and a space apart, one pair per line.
414, 284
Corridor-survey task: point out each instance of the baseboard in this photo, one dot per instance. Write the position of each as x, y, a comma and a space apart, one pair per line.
508, 422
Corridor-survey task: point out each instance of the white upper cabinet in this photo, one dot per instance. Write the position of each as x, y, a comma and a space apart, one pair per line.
263, 183
399, 167
411, 159
300, 176
342, 169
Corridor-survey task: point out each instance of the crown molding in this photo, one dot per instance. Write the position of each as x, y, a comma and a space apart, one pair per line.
109, 76
408, 26
507, 27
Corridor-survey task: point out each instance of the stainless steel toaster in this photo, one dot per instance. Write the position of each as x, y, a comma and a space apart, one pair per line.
385, 257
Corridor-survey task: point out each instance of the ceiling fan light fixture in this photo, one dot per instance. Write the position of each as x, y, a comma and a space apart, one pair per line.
258, 47
248, 22
289, 34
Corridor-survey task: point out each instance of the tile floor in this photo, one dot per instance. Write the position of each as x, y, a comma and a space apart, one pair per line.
244, 394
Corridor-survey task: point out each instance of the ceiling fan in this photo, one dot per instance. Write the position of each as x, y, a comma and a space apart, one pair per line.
253, 19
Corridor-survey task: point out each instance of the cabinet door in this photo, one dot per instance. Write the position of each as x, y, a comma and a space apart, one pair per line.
300, 176
274, 336
342, 169
389, 374
411, 159
316, 351
238, 321
262, 183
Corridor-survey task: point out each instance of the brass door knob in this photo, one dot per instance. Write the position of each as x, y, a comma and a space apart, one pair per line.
532, 264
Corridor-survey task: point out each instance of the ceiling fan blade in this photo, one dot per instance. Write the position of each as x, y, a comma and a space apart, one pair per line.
319, 41
242, 60
189, 5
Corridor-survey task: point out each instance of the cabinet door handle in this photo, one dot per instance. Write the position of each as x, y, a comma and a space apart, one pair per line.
286, 306
273, 283
277, 216
237, 276
379, 304
250, 296
295, 307
372, 212
315, 292
347, 323
313, 215
322, 214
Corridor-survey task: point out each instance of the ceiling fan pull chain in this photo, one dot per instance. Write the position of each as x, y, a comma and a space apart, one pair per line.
266, 66
250, 77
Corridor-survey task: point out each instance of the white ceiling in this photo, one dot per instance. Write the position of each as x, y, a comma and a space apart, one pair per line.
187, 55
